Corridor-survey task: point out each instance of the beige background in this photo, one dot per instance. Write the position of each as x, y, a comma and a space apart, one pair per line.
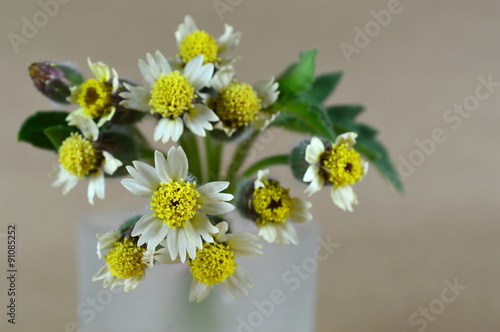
396, 250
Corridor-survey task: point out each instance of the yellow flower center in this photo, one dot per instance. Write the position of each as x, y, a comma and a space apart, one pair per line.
175, 202
78, 156
95, 97
199, 42
171, 95
237, 105
342, 165
272, 202
213, 264
125, 260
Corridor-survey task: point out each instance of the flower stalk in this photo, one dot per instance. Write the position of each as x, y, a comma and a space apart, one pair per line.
200, 105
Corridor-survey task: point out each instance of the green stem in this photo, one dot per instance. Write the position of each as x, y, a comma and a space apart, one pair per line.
216, 151
190, 146
266, 162
142, 146
209, 159
239, 157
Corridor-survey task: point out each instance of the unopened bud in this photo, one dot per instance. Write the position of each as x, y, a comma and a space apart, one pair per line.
244, 195
298, 160
54, 80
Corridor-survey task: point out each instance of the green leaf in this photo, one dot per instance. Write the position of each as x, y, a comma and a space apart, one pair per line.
292, 122
129, 223
57, 134
32, 130
343, 117
314, 116
366, 131
299, 76
322, 87
125, 143
344, 113
375, 152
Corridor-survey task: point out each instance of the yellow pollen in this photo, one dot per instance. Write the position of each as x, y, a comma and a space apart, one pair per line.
175, 202
125, 260
237, 105
341, 165
199, 42
171, 95
272, 202
78, 156
95, 97
213, 264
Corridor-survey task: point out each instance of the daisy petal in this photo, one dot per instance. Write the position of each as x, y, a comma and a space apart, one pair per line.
184, 29
222, 78
99, 183
136, 188
194, 237
143, 223
299, 211
162, 63
267, 91
344, 197
177, 164
228, 41
146, 72
162, 130
348, 138
137, 98
87, 126
144, 174
153, 234
177, 129
212, 188
198, 119
199, 291
268, 232
172, 244
197, 74
110, 163
314, 151
99, 70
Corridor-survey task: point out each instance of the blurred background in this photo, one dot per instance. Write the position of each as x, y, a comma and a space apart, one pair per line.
420, 68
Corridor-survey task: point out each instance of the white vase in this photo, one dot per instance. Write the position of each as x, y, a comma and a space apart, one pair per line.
283, 297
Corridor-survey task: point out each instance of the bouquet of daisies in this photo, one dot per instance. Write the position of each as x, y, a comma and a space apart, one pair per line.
200, 108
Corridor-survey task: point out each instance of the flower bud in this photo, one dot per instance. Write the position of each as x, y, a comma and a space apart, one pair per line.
244, 194
54, 80
298, 160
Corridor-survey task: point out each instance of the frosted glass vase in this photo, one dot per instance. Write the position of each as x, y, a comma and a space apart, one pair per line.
283, 297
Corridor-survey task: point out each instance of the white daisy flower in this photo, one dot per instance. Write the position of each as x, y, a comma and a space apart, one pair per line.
171, 94
193, 42
126, 262
339, 165
273, 209
239, 104
215, 263
80, 158
95, 94
178, 207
